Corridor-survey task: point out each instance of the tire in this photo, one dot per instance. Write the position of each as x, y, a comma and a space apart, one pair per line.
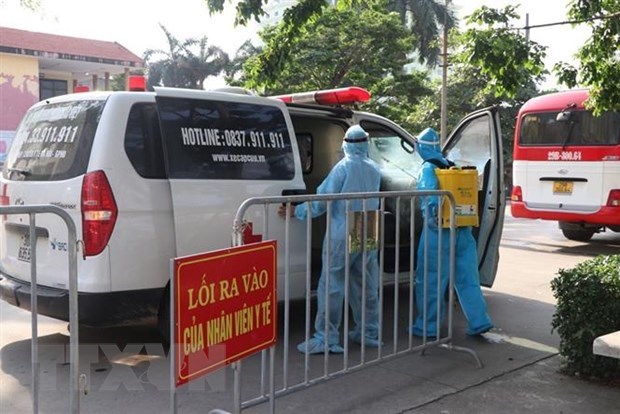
582, 235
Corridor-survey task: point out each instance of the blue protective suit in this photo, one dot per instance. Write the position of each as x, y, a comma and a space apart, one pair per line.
466, 277
354, 173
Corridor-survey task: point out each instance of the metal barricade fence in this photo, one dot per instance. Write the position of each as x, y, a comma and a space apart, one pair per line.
32, 211
394, 339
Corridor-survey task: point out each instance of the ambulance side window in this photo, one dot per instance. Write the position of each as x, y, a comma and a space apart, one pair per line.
222, 140
143, 141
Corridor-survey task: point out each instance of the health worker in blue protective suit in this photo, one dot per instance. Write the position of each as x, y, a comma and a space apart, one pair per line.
466, 277
356, 172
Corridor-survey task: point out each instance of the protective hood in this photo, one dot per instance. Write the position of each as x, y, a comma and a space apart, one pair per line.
427, 144
355, 141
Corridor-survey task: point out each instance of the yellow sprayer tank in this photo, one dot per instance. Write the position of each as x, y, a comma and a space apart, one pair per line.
463, 183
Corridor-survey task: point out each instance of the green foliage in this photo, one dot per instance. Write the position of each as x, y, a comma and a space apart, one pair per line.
588, 306
421, 17
342, 47
281, 40
32, 5
247, 10
505, 58
118, 82
235, 76
492, 65
424, 18
395, 96
180, 65
566, 73
269, 62
468, 90
599, 57
465, 94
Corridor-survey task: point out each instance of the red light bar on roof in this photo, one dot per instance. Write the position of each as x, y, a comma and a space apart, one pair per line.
339, 96
137, 83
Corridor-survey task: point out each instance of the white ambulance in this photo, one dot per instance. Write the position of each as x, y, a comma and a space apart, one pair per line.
148, 176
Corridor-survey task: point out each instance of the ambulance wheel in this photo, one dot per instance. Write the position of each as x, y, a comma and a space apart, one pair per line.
163, 316
582, 235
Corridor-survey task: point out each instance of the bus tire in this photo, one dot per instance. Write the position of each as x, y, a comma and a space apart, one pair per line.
582, 235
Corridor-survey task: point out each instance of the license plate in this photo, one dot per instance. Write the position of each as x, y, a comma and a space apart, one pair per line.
562, 187
23, 253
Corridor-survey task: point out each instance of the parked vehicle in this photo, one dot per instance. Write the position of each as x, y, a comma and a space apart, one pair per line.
567, 165
148, 176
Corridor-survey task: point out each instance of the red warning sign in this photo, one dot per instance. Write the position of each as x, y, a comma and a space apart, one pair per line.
225, 307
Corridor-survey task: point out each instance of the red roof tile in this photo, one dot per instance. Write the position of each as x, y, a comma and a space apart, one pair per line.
65, 45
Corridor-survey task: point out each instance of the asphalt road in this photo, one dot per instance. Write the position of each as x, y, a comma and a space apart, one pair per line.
128, 369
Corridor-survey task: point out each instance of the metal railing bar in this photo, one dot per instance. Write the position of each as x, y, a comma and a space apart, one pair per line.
412, 196
74, 358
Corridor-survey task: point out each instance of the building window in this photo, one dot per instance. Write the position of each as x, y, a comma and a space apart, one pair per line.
52, 87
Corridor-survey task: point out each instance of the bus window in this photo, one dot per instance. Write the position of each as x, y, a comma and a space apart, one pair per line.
579, 128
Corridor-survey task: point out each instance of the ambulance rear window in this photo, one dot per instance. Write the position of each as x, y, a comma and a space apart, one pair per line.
206, 139
53, 141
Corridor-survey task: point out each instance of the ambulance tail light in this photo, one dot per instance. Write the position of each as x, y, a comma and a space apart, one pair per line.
4, 201
341, 96
517, 194
99, 212
614, 198
137, 83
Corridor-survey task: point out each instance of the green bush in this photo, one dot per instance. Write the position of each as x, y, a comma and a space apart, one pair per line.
588, 306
